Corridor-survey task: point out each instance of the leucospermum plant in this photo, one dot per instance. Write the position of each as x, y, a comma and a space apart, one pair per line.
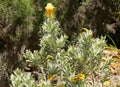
59, 64
20, 79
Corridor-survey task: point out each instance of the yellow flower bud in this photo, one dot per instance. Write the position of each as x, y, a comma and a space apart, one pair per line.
49, 10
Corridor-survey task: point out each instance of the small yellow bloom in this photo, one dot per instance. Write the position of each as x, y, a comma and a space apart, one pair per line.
106, 83
81, 76
50, 77
49, 10
74, 79
49, 57
104, 59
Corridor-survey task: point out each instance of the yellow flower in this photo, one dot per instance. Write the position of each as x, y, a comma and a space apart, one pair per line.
49, 57
104, 59
50, 77
74, 79
81, 76
49, 10
106, 83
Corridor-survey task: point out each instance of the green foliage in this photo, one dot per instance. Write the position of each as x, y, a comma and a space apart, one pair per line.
16, 9
32, 58
59, 59
86, 55
20, 79
118, 2
18, 14
114, 45
22, 8
4, 10
53, 38
61, 62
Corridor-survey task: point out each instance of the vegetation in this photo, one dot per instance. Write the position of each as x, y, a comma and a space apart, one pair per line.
63, 43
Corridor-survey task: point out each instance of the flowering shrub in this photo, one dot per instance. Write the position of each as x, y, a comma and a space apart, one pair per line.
20, 79
59, 62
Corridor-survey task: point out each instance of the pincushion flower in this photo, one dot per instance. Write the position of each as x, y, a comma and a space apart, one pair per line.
49, 10
106, 83
50, 77
81, 76
74, 79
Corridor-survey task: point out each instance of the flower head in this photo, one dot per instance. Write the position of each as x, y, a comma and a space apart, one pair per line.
106, 83
74, 79
104, 59
49, 57
81, 76
49, 10
50, 77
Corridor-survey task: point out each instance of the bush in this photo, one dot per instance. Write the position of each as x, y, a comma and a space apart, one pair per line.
61, 62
